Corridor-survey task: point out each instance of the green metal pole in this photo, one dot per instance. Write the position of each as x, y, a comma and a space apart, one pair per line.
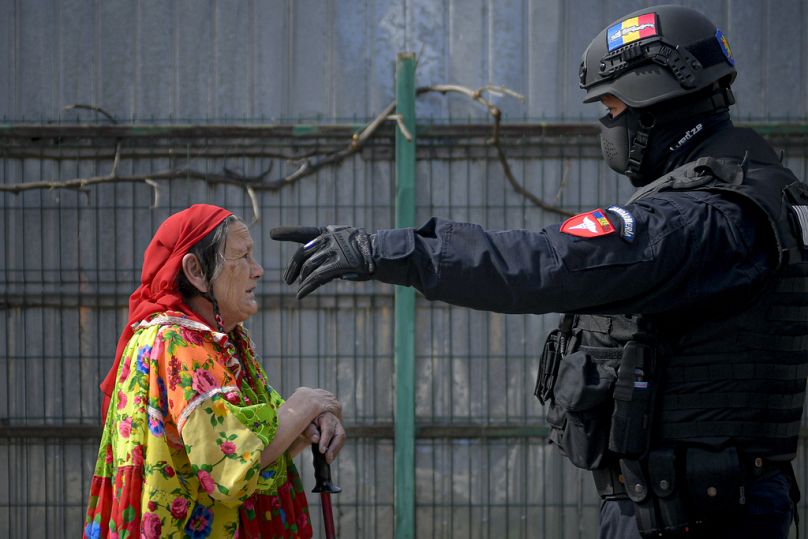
404, 477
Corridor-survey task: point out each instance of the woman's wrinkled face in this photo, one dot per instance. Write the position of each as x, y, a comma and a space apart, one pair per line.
234, 287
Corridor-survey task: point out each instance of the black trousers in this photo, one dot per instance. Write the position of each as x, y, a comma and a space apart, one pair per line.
768, 515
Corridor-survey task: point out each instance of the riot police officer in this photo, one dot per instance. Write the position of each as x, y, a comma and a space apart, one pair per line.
678, 373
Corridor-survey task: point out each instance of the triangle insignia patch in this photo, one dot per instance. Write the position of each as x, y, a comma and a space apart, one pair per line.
588, 225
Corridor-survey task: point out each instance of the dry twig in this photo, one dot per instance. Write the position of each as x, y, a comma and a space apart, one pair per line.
493, 110
308, 164
93, 108
249, 183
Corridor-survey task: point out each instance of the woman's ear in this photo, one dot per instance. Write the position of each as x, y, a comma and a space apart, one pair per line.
193, 272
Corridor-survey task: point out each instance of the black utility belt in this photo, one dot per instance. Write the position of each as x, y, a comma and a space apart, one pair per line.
672, 489
610, 482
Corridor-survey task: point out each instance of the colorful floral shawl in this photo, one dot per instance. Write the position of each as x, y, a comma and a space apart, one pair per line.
180, 454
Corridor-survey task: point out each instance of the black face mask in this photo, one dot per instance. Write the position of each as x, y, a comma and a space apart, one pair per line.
668, 134
617, 136
615, 140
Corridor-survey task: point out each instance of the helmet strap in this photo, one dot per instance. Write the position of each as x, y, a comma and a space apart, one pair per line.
718, 100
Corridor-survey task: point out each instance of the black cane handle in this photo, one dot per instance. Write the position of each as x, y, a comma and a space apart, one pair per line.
322, 473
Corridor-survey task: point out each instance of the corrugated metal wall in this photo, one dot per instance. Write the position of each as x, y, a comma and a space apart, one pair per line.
275, 59
68, 260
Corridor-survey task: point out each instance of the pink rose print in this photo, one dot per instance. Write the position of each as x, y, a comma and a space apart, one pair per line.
152, 506
179, 508
193, 337
232, 397
108, 458
125, 428
137, 456
169, 471
249, 504
206, 481
121, 400
124, 371
152, 527
228, 448
157, 348
203, 381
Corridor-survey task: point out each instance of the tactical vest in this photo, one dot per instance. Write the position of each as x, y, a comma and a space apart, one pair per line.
618, 385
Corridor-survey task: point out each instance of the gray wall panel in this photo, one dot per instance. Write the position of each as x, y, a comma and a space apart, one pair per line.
155, 59
8, 51
233, 42
277, 60
117, 61
193, 33
270, 59
506, 50
350, 57
36, 31
544, 30
310, 58
464, 64
786, 18
78, 55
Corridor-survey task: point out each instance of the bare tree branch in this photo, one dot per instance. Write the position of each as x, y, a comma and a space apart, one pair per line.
92, 108
310, 162
493, 110
400, 122
229, 177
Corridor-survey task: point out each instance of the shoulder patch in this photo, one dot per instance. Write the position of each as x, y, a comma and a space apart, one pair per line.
628, 226
588, 225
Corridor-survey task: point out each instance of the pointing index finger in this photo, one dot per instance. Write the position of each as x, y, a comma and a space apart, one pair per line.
300, 234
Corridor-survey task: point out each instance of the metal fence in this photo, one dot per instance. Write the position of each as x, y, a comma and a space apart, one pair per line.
69, 258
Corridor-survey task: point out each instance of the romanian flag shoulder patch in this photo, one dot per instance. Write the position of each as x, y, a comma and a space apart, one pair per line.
630, 30
588, 225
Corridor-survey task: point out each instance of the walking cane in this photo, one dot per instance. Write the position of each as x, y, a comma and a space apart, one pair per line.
322, 475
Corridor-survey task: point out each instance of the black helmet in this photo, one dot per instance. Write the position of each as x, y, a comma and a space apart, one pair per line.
656, 54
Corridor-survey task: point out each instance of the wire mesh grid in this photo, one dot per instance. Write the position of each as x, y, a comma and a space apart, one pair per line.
483, 468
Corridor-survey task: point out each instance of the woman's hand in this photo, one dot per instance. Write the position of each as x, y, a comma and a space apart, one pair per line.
331, 436
327, 432
299, 417
324, 400
309, 436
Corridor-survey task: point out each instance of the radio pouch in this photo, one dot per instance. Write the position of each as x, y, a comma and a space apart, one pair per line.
634, 391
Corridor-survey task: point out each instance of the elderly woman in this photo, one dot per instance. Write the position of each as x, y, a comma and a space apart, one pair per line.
196, 443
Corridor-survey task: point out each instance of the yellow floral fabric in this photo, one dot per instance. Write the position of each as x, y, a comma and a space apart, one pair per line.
180, 454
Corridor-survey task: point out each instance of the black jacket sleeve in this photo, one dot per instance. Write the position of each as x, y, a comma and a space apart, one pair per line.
688, 247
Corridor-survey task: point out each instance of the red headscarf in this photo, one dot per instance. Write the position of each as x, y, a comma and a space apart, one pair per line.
162, 263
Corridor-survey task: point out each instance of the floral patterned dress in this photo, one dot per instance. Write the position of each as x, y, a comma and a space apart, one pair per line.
181, 449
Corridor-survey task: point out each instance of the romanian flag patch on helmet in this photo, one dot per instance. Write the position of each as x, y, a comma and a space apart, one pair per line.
631, 30
588, 225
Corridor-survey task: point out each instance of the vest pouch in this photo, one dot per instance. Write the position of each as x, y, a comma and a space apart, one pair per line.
663, 471
637, 489
548, 366
715, 481
583, 392
634, 391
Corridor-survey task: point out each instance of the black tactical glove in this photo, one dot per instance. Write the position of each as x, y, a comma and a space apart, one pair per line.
328, 252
